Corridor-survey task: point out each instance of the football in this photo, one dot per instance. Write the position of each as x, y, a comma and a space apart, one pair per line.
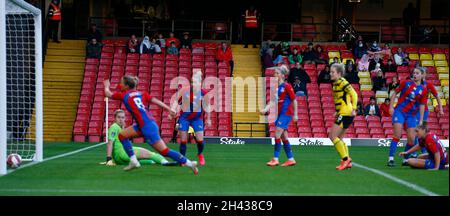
14, 160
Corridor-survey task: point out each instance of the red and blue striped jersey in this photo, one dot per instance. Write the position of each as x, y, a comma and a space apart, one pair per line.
434, 145
285, 97
411, 96
191, 103
430, 88
135, 102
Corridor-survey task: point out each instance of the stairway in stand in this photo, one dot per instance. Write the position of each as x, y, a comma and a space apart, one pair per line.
62, 81
247, 64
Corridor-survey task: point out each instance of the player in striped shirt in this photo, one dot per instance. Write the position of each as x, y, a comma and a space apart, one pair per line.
192, 99
146, 126
287, 111
412, 99
345, 100
431, 89
436, 157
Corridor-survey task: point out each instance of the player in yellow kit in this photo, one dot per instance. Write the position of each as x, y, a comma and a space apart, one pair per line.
345, 101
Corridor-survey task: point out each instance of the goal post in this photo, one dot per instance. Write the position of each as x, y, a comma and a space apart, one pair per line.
21, 101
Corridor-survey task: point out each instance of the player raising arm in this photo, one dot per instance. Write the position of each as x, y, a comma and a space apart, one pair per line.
412, 99
287, 109
115, 154
146, 126
345, 100
435, 159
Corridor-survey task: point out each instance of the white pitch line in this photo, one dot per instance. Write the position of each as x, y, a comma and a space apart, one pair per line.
56, 157
397, 180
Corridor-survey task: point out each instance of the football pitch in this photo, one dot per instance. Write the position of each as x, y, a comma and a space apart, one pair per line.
230, 170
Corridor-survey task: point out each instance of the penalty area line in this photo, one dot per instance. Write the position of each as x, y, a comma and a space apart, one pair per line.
397, 180
56, 157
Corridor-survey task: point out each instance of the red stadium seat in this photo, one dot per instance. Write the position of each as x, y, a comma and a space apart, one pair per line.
365, 135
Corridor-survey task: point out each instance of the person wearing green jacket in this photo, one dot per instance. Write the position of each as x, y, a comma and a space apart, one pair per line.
295, 57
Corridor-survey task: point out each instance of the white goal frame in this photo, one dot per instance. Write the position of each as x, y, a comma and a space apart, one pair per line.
27, 8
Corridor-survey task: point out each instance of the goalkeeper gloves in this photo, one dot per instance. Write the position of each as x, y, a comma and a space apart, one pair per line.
109, 162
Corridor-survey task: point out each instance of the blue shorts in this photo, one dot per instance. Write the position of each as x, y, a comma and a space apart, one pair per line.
429, 164
150, 132
196, 124
283, 121
425, 116
402, 118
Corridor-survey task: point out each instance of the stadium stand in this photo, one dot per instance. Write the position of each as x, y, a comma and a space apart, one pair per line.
316, 111
155, 73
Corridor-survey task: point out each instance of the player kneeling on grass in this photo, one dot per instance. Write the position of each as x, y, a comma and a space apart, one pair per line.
287, 109
345, 100
115, 154
146, 126
437, 156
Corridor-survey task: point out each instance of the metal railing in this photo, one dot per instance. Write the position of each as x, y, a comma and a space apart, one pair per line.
140, 26
236, 130
369, 29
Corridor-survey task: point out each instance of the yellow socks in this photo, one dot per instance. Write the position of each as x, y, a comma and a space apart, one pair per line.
341, 148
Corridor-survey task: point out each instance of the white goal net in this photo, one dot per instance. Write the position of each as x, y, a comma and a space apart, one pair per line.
20, 81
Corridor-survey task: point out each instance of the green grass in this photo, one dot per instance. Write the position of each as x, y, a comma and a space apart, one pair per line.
230, 170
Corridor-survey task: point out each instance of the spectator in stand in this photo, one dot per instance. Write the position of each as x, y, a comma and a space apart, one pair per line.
376, 60
268, 57
299, 72
95, 33
309, 55
387, 51
172, 50
375, 71
283, 52
144, 48
224, 55
360, 49
335, 61
372, 108
351, 75
322, 56
133, 44
375, 48
324, 76
390, 66
349, 63
379, 82
161, 41
264, 47
393, 85
93, 49
384, 108
363, 64
299, 87
406, 61
399, 57
357, 42
295, 57
359, 109
186, 41
154, 48
174, 39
